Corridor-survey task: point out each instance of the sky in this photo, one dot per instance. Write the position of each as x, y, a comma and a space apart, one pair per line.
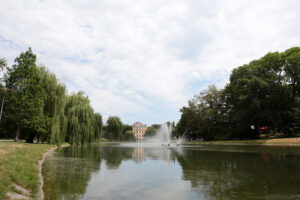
142, 60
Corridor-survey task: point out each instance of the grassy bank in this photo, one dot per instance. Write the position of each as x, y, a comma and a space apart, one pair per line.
279, 141
19, 165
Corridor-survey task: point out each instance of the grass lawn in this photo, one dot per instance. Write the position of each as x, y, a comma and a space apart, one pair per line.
281, 141
19, 165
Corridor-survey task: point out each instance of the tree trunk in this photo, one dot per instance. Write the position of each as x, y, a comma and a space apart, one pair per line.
17, 134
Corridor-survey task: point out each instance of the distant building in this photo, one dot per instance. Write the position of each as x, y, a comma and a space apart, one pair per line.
139, 130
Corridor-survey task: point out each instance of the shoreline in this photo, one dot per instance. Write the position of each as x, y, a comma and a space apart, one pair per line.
295, 141
40, 193
242, 144
266, 142
19, 169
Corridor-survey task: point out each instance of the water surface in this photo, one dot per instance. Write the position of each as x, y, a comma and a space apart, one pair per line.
147, 171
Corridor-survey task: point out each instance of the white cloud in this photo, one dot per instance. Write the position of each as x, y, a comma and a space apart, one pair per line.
141, 60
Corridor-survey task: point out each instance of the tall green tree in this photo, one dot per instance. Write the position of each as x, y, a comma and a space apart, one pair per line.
25, 99
3, 64
204, 116
291, 66
128, 136
259, 94
151, 131
157, 126
264, 92
98, 125
54, 108
114, 128
38, 106
80, 119
125, 128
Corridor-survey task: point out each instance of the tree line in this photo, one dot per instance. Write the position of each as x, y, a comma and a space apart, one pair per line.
115, 130
264, 93
38, 107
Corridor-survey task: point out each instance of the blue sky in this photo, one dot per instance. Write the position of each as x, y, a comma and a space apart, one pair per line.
142, 60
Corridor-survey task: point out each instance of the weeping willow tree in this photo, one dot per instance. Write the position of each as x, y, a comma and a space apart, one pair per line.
54, 108
38, 107
98, 125
80, 119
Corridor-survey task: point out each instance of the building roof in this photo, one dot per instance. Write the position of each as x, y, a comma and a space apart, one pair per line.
138, 124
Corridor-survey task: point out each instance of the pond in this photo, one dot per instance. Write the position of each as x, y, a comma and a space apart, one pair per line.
149, 171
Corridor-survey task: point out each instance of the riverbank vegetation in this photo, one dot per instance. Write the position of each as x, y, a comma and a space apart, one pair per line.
261, 97
38, 107
275, 141
115, 130
19, 166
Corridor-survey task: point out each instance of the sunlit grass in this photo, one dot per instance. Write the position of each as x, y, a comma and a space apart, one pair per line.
19, 164
281, 141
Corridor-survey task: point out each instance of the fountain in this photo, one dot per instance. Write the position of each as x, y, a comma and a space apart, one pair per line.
164, 134
163, 137
181, 139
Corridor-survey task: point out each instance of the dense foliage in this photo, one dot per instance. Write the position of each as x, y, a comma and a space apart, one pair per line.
263, 93
151, 131
80, 119
113, 129
37, 106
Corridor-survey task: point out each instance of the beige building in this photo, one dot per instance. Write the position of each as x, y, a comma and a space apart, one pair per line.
139, 130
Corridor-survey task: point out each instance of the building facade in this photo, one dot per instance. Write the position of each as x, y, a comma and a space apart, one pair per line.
139, 130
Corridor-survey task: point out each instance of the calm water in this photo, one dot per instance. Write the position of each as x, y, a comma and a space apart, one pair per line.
136, 171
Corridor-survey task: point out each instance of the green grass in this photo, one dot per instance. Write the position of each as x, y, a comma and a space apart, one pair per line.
101, 140
19, 164
275, 141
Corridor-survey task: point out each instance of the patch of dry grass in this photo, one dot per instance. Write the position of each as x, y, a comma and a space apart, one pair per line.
287, 141
2, 152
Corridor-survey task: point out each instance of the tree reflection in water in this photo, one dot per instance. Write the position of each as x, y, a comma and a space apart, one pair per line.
242, 175
228, 172
69, 171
